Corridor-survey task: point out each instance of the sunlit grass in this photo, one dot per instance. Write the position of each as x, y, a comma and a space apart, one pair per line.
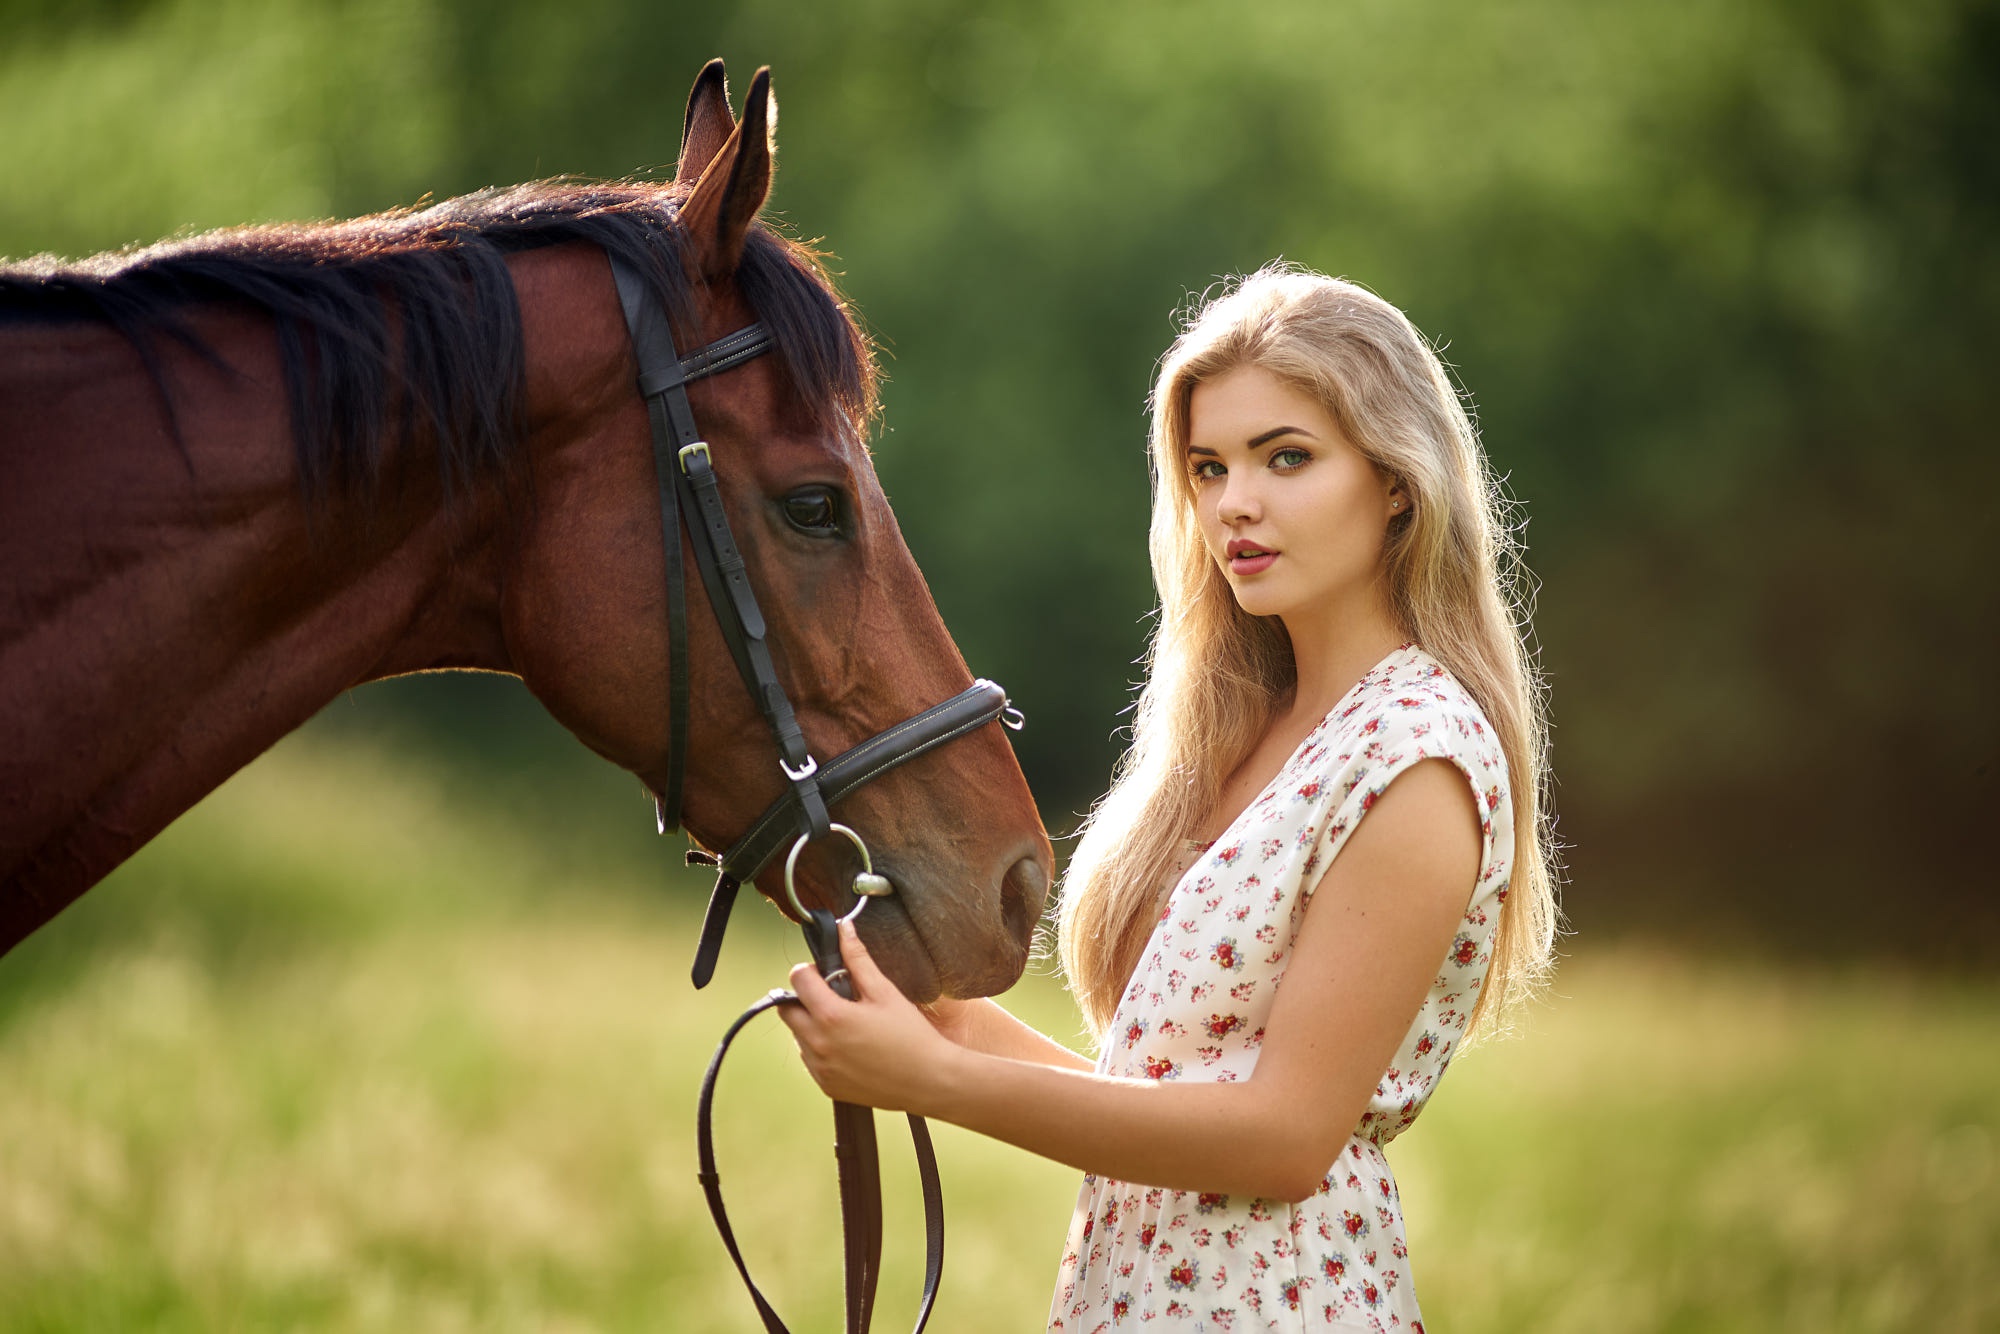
343, 1051
1676, 1146
333, 1054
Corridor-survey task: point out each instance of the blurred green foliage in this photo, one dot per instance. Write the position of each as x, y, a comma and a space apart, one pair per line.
1719, 276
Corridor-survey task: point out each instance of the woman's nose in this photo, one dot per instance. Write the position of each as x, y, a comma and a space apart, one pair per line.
1238, 502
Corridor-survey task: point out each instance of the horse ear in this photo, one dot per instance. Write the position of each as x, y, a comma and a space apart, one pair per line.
738, 180
708, 124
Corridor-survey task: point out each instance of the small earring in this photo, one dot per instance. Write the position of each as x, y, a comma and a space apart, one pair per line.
1395, 504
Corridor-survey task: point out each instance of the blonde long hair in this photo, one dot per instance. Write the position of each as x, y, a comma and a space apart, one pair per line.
1216, 674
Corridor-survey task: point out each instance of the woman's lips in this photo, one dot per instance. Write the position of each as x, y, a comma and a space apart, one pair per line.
1248, 558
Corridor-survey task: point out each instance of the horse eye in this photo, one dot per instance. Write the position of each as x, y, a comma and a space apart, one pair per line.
813, 510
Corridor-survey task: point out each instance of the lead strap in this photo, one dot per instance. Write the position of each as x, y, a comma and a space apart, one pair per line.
848, 1120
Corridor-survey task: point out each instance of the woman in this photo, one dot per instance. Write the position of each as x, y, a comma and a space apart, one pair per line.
1275, 982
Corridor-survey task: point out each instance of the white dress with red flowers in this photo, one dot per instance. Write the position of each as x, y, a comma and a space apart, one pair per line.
1140, 1256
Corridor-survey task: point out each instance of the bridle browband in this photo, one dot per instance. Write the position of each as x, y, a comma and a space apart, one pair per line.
687, 483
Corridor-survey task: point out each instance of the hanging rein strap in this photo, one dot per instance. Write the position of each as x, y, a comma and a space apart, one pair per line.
855, 1154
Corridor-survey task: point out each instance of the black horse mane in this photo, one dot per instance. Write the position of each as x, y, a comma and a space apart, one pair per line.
434, 282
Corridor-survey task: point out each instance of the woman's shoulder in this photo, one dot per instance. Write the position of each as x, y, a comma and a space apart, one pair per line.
1408, 692
1409, 708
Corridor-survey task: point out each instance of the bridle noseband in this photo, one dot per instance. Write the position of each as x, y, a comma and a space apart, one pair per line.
687, 484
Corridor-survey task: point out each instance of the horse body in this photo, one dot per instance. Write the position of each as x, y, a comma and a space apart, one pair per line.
175, 600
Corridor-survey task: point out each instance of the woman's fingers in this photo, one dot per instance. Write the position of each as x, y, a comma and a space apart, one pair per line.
811, 988
869, 980
857, 1050
807, 1020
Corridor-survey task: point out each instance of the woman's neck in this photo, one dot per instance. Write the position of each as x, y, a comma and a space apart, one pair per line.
1333, 651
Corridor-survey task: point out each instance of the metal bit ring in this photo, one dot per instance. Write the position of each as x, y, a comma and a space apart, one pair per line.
866, 884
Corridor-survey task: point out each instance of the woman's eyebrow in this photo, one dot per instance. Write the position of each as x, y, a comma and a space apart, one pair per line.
1261, 441
1256, 441
1277, 431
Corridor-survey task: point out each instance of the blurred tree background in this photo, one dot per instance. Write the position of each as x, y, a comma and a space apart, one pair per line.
379, 1037
1719, 277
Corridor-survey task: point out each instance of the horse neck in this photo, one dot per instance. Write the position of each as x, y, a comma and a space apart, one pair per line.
172, 609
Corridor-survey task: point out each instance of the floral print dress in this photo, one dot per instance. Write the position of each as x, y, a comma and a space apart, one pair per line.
1140, 1256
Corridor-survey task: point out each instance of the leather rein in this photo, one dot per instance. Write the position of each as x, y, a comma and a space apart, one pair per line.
688, 487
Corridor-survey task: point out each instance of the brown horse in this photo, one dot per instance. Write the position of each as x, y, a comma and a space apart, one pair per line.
244, 472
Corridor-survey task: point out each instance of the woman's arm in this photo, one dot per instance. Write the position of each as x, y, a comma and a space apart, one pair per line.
1373, 937
985, 1026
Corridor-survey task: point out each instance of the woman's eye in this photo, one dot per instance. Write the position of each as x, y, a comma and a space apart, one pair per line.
1206, 469
1287, 459
813, 510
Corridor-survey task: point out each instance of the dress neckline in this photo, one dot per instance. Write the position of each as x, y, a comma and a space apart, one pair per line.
1408, 647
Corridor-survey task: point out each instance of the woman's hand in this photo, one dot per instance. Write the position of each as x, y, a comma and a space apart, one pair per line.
878, 1049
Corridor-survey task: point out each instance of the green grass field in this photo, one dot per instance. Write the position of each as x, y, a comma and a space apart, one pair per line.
348, 1050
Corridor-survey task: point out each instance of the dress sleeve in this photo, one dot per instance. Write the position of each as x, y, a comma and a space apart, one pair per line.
1402, 732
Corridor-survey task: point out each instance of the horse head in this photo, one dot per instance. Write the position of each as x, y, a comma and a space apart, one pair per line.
856, 639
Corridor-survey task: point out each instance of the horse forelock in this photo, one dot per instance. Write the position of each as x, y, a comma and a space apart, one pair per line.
407, 321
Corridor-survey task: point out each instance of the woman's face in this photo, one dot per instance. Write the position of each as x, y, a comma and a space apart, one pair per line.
1290, 511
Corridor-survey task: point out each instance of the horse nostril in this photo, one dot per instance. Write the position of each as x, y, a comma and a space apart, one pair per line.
1023, 890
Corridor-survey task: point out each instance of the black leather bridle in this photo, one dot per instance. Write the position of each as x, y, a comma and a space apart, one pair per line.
687, 484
